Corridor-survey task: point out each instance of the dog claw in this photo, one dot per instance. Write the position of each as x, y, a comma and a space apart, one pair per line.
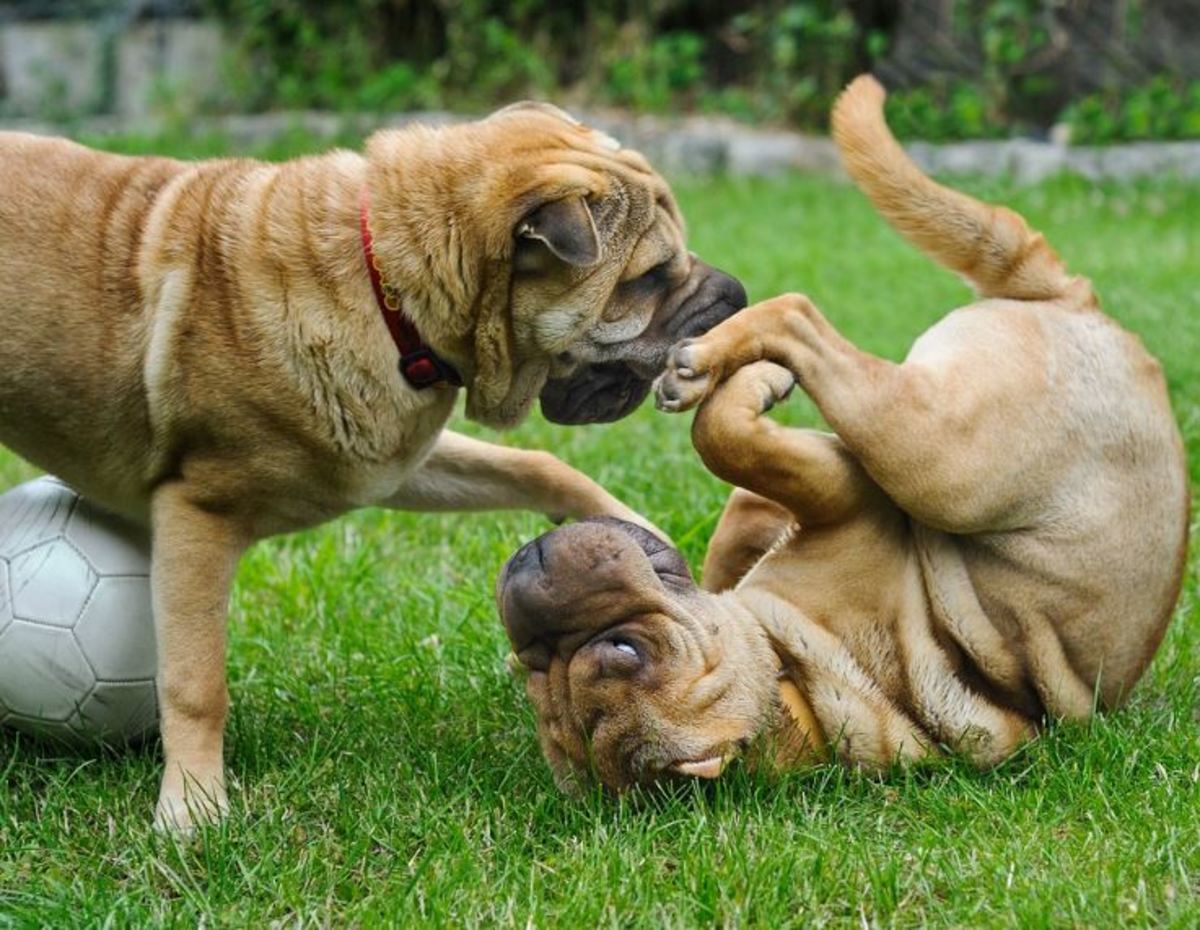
684, 383
672, 400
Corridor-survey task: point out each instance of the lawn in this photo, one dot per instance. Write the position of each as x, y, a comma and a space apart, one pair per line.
383, 762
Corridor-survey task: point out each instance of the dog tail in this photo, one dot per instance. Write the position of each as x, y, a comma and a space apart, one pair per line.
992, 247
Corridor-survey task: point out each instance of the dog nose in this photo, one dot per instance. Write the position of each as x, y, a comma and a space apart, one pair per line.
718, 297
547, 593
521, 574
519, 595
528, 558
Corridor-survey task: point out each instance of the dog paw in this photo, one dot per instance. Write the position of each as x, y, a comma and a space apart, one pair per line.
180, 812
687, 379
773, 383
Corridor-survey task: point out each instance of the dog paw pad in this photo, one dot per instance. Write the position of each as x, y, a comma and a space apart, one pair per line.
674, 394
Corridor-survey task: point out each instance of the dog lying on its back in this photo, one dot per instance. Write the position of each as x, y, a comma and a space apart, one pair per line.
994, 535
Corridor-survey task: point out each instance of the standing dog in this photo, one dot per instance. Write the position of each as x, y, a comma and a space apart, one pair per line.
212, 348
994, 535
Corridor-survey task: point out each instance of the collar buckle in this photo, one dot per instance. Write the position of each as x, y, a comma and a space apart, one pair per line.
423, 368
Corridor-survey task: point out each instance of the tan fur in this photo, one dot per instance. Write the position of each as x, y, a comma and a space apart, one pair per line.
991, 247
994, 536
197, 346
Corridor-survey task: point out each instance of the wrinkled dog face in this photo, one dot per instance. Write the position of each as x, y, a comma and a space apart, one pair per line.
659, 294
618, 249
541, 258
602, 281
633, 671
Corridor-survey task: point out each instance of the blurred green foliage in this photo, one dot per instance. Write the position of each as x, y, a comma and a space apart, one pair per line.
773, 61
942, 112
1163, 108
779, 61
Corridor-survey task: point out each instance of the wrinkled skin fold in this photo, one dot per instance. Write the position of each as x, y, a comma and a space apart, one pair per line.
600, 614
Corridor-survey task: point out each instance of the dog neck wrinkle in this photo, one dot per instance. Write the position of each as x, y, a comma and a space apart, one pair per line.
797, 737
419, 364
323, 198
421, 236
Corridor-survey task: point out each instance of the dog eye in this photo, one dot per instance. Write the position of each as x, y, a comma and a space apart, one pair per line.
618, 655
658, 272
652, 277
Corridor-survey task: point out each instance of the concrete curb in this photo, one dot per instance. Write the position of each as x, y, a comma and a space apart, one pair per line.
707, 145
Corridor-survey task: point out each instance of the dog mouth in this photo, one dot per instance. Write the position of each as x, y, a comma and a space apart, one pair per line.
617, 381
707, 764
708, 767
597, 393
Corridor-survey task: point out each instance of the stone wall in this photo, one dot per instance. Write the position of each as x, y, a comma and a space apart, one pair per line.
57, 69
51, 68
1073, 47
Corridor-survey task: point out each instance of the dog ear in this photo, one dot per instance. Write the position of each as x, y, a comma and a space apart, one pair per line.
536, 106
567, 228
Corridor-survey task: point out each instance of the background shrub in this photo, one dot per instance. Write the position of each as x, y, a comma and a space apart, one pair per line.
1110, 69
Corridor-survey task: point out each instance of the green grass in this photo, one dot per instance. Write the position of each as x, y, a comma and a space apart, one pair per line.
384, 768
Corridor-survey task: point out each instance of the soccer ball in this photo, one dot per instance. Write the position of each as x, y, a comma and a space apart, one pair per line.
77, 654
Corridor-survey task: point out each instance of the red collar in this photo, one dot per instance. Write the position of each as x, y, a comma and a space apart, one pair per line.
419, 364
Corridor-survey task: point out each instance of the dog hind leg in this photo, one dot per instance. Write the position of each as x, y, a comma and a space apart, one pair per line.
961, 436
750, 526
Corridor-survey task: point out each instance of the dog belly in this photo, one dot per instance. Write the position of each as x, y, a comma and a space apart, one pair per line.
1089, 610
72, 399
85, 424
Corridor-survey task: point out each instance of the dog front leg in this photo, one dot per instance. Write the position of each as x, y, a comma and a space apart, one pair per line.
467, 474
787, 330
750, 525
195, 555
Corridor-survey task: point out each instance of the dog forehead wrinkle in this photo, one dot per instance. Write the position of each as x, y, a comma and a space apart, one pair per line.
681, 642
718, 689
564, 705
704, 640
626, 734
